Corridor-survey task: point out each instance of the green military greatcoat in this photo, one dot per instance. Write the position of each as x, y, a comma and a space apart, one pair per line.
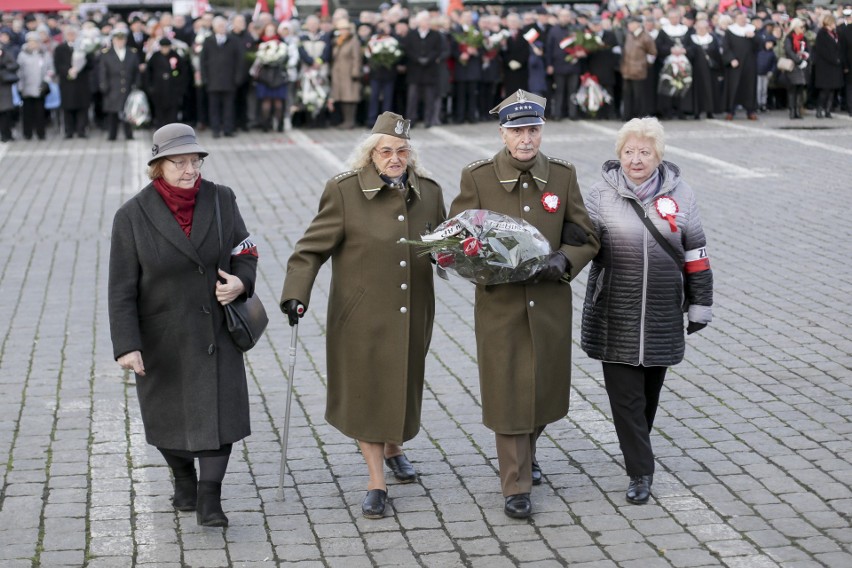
382, 299
523, 331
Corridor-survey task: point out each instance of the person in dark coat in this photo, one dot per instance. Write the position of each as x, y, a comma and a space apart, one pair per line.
382, 77
844, 31
422, 46
118, 72
8, 64
248, 43
828, 69
702, 50
795, 49
492, 63
73, 71
468, 67
564, 68
167, 77
739, 53
516, 56
169, 276
637, 292
137, 37
604, 63
379, 320
221, 69
523, 330
671, 41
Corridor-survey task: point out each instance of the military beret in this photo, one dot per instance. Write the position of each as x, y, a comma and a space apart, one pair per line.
392, 124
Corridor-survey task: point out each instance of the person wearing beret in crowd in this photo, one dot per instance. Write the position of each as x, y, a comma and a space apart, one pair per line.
169, 276
523, 330
382, 301
638, 289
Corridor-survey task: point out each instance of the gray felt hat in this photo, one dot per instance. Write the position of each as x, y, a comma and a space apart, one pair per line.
175, 139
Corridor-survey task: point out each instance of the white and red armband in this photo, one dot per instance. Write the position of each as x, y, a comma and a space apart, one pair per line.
245, 247
696, 260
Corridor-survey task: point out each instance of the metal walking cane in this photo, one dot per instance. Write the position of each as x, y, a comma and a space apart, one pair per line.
294, 337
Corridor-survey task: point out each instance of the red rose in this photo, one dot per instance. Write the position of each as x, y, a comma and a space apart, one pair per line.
471, 246
444, 259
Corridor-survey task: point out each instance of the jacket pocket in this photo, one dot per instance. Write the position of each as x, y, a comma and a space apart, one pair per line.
350, 305
599, 286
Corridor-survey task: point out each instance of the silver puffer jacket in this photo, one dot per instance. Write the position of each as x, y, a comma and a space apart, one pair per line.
636, 294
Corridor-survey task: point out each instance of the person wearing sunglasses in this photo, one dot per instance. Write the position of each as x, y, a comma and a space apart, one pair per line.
169, 276
381, 301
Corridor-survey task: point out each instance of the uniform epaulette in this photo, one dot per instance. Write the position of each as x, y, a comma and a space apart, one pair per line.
478, 163
346, 174
560, 161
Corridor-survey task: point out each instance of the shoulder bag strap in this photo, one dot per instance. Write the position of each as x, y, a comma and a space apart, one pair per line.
667, 246
218, 219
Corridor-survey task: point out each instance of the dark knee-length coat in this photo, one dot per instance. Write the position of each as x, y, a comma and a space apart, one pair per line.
523, 331
382, 299
162, 302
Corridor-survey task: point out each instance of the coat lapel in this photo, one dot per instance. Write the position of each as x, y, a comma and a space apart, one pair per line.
203, 218
164, 222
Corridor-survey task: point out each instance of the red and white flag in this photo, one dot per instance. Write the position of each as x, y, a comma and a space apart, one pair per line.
531, 35
285, 10
259, 7
199, 7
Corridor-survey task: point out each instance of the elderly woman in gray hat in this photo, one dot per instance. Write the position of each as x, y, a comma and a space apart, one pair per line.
382, 300
169, 276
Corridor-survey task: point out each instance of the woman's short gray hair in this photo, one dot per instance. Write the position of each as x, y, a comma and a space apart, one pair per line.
649, 128
362, 155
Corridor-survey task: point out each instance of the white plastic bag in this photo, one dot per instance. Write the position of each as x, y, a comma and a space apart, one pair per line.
137, 111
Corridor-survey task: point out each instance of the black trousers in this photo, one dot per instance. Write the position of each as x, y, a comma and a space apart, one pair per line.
426, 93
222, 109
112, 127
464, 101
635, 102
76, 121
33, 117
566, 86
634, 394
5, 125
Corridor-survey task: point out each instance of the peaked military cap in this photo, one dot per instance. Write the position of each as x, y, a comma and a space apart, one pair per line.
521, 109
392, 124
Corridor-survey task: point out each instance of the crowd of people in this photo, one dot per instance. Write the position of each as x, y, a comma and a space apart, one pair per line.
230, 71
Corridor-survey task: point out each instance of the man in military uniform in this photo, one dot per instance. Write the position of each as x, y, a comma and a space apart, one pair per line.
523, 331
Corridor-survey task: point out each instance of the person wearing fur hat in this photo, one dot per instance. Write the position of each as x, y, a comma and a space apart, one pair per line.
382, 300
170, 274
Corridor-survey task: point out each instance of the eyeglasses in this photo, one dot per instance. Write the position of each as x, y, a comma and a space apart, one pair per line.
386, 153
182, 164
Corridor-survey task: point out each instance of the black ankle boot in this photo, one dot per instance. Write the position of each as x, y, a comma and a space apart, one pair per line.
209, 510
792, 112
186, 489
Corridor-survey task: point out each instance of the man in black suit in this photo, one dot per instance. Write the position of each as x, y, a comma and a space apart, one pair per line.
137, 38
844, 32
221, 64
422, 47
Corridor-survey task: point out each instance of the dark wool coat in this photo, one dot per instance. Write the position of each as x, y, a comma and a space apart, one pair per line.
117, 77
381, 304
740, 82
162, 302
604, 63
166, 83
221, 65
7, 63
422, 56
828, 71
636, 292
706, 59
845, 33
523, 332
76, 94
797, 75
517, 49
555, 55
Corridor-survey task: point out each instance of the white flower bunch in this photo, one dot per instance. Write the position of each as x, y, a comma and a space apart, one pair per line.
383, 50
493, 40
272, 52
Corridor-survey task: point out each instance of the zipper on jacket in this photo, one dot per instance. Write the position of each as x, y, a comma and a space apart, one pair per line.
644, 288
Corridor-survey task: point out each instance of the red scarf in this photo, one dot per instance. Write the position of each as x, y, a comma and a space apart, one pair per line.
179, 200
798, 42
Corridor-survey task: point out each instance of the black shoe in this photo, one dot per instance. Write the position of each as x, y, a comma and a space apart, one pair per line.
639, 490
536, 473
819, 113
209, 510
230, 134
373, 506
828, 113
186, 489
68, 136
518, 506
217, 135
402, 469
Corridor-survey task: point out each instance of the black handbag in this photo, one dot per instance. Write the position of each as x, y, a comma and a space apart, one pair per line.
43, 89
246, 318
8, 77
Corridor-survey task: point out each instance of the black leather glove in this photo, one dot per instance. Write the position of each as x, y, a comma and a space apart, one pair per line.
694, 326
294, 310
557, 263
573, 234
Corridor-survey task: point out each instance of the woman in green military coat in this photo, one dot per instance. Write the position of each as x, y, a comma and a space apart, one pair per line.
381, 303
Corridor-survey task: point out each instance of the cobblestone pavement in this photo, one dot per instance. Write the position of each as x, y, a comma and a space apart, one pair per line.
753, 440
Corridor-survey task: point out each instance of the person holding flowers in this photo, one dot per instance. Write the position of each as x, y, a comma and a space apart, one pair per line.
652, 266
382, 301
167, 78
523, 330
383, 53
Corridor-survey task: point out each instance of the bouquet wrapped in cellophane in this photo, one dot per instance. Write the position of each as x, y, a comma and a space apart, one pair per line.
486, 248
